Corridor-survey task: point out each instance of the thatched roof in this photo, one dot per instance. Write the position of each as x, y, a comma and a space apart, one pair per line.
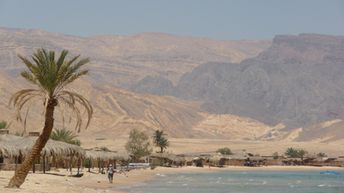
7, 148
14, 145
169, 156
216, 158
106, 155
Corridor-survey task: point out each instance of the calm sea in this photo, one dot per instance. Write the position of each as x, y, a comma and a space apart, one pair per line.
243, 182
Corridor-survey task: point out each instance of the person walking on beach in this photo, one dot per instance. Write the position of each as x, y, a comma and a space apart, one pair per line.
110, 173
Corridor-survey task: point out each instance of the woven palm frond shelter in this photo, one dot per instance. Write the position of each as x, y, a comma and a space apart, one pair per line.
216, 158
101, 157
169, 156
8, 148
13, 146
167, 159
105, 155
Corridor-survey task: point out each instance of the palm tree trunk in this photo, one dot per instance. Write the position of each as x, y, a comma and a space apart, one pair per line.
19, 177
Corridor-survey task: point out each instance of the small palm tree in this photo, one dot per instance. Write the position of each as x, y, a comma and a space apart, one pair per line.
50, 76
160, 141
65, 136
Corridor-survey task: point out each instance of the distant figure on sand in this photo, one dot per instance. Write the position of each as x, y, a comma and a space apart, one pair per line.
110, 173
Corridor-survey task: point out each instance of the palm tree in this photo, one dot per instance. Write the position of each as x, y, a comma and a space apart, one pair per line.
160, 140
50, 77
65, 136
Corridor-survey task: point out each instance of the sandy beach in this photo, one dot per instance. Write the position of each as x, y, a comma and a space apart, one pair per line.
58, 181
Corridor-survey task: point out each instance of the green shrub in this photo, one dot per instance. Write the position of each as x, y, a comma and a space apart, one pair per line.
225, 151
3, 125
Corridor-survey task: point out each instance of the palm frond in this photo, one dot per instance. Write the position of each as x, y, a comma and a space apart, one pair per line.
20, 98
28, 77
61, 59
65, 136
75, 110
72, 99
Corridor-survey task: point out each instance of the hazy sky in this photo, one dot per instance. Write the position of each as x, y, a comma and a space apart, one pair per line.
220, 19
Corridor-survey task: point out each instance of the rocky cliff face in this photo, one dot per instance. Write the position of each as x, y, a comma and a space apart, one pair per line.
297, 81
156, 85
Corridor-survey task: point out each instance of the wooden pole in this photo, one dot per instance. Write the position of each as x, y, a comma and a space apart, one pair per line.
89, 164
79, 162
43, 164
16, 162
71, 164
33, 166
99, 164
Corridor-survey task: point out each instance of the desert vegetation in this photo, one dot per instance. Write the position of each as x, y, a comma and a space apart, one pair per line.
138, 144
65, 136
160, 140
295, 153
225, 151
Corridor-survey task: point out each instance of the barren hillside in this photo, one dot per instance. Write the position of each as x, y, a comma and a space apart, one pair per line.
124, 60
117, 111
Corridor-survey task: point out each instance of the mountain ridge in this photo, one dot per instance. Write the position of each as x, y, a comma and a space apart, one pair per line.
218, 98
297, 81
123, 60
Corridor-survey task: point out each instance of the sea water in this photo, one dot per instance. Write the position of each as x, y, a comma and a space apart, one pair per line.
243, 182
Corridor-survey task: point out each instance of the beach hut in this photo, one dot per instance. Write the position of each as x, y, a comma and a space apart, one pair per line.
235, 160
103, 157
217, 160
166, 159
9, 152
20, 146
292, 161
338, 162
320, 161
273, 160
23, 145
199, 161
188, 160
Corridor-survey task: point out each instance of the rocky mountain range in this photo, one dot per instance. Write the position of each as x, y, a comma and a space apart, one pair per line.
298, 81
124, 60
190, 87
117, 110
